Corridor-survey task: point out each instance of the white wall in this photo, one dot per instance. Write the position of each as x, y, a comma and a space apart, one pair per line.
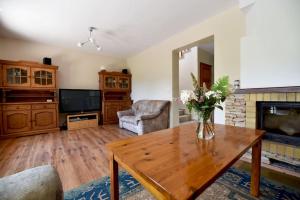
270, 50
188, 64
152, 69
76, 69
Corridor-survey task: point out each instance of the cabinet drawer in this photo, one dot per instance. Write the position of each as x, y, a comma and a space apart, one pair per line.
43, 106
16, 107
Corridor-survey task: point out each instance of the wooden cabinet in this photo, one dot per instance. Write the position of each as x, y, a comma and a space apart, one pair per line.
110, 112
1, 75
124, 82
21, 74
115, 89
16, 76
1, 123
125, 105
111, 109
43, 119
110, 82
28, 102
43, 78
29, 118
113, 81
80, 121
15, 121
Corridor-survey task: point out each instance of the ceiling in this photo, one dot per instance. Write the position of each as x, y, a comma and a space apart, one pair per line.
125, 27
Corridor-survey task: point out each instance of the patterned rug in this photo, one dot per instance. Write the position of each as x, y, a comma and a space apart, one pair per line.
233, 184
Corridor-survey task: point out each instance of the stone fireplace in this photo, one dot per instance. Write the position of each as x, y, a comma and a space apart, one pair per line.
276, 110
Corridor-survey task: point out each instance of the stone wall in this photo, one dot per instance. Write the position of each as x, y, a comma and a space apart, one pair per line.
235, 110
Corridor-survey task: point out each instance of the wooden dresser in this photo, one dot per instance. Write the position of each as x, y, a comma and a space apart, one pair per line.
28, 98
115, 92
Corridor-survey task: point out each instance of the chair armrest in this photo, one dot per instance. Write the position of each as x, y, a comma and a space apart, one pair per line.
125, 113
148, 116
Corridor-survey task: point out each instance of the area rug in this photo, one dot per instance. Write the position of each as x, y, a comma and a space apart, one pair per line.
233, 184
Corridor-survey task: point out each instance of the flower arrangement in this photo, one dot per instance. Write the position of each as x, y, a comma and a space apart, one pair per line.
202, 100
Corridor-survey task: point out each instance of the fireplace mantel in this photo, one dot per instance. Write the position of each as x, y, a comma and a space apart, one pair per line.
268, 90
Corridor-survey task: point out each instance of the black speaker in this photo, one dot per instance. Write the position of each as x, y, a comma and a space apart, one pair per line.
125, 71
47, 61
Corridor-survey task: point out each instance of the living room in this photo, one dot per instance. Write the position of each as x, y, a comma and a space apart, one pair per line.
81, 83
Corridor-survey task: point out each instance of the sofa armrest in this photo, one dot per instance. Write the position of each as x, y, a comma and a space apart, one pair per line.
148, 116
125, 113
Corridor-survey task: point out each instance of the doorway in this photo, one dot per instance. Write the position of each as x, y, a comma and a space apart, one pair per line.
196, 58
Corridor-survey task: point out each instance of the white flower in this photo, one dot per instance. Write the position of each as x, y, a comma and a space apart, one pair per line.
209, 93
213, 94
187, 95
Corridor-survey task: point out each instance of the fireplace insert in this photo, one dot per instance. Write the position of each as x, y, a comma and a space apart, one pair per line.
280, 120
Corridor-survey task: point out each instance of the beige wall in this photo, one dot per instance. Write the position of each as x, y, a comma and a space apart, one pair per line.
76, 69
154, 76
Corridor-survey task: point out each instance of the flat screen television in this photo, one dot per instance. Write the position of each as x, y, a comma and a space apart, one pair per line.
75, 101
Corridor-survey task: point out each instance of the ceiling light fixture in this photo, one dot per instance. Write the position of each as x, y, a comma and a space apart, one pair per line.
91, 40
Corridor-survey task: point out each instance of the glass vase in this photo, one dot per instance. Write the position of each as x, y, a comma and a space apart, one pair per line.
205, 129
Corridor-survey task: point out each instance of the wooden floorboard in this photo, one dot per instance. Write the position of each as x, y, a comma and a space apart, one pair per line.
79, 156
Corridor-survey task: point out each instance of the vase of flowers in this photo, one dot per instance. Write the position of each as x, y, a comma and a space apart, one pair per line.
203, 102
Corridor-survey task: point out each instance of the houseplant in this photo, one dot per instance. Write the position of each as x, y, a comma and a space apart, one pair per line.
203, 102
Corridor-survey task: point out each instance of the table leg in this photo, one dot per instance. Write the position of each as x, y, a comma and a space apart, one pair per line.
114, 179
255, 170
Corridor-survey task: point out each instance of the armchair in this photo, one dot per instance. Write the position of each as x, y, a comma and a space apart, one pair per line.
145, 116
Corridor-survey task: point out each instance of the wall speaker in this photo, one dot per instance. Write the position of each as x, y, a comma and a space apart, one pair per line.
47, 61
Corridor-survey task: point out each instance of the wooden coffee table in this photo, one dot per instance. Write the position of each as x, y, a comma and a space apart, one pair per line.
174, 164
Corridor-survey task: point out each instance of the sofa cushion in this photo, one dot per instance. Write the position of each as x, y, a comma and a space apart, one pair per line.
129, 119
37, 183
142, 107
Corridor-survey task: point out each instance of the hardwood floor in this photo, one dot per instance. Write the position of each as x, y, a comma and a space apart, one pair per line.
79, 156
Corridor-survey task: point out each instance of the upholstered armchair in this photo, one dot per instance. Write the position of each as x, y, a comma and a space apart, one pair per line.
145, 116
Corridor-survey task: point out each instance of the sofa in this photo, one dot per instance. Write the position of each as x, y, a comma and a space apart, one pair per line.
145, 116
39, 183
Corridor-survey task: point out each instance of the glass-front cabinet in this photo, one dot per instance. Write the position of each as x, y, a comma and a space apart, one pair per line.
110, 82
124, 83
43, 78
16, 76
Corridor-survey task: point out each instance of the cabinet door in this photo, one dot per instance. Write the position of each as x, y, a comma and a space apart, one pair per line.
110, 113
1, 125
43, 78
124, 106
110, 82
43, 119
124, 83
1, 76
16, 121
16, 76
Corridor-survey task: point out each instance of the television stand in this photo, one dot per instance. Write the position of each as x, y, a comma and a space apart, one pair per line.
79, 121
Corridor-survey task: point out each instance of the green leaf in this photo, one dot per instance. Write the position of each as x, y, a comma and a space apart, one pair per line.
222, 85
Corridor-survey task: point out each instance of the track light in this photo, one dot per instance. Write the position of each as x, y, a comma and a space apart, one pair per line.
90, 40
